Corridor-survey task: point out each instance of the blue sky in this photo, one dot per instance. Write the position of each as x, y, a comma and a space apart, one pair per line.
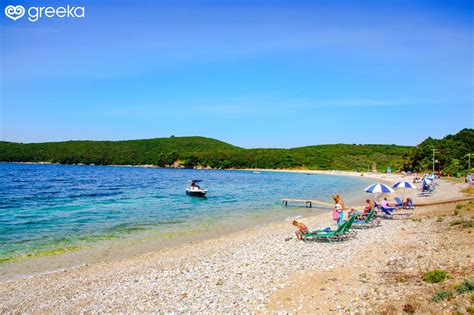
252, 73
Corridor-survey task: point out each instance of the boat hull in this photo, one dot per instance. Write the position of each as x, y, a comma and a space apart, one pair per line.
196, 193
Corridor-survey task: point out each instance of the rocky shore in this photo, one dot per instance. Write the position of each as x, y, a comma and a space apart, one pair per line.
263, 269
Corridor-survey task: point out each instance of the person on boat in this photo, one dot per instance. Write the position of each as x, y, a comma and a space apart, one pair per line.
194, 185
302, 229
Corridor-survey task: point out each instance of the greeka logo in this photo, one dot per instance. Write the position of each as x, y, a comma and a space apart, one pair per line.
35, 13
14, 12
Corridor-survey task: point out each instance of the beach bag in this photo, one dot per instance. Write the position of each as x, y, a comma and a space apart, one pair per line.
335, 214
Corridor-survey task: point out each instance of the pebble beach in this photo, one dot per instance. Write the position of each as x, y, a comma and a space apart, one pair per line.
265, 269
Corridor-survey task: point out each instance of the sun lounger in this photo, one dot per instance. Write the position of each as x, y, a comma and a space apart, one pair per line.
369, 222
348, 230
340, 234
387, 214
399, 202
388, 209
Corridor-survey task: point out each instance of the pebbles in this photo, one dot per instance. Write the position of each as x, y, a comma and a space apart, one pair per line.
238, 272
243, 271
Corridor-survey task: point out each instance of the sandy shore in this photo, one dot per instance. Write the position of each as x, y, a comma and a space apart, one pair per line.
260, 269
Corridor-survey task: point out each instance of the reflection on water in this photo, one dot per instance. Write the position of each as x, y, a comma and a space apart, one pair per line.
50, 209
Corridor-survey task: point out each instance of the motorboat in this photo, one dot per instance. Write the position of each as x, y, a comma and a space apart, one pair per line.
195, 190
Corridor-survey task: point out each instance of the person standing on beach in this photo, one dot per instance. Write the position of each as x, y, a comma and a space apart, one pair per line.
338, 212
337, 198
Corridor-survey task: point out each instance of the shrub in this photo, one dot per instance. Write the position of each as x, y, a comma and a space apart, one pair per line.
463, 223
441, 296
435, 276
469, 190
439, 219
466, 286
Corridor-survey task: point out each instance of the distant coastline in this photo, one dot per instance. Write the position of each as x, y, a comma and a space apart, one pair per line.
452, 157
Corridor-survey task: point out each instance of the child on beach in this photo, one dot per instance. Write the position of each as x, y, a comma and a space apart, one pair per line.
302, 229
337, 214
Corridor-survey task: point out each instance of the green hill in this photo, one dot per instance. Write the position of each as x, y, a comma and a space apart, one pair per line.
203, 152
206, 152
452, 153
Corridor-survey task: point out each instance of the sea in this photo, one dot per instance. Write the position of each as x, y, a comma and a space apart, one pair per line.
49, 210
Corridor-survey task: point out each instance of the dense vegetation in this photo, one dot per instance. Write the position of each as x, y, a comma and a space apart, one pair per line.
452, 153
205, 152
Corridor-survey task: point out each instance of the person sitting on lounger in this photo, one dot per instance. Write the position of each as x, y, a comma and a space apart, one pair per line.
302, 229
369, 206
386, 206
408, 204
385, 203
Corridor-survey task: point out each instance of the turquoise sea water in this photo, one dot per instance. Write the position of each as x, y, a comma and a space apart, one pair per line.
47, 209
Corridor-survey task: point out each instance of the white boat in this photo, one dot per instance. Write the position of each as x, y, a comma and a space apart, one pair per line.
194, 189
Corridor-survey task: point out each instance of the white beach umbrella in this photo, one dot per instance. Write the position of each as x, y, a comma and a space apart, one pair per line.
379, 188
426, 182
404, 185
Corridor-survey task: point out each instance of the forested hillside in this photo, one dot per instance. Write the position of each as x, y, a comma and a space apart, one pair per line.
205, 152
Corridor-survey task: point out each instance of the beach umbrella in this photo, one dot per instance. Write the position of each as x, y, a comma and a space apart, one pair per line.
379, 188
426, 182
404, 185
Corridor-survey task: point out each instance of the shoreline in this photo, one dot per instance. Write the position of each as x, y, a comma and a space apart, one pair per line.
111, 249
104, 251
209, 260
227, 273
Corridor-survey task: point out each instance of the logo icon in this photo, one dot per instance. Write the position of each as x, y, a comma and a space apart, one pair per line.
14, 12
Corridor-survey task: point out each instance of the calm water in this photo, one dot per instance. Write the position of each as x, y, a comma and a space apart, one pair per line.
45, 209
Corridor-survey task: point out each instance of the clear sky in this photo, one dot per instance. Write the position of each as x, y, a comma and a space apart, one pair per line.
252, 73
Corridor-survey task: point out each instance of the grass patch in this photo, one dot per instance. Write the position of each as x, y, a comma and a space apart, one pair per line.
435, 276
441, 296
463, 223
466, 286
439, 219
469, 190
